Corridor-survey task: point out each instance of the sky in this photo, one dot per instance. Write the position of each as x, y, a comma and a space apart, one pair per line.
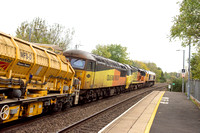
143, 26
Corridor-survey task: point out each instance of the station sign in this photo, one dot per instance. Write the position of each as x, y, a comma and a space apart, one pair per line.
183, 70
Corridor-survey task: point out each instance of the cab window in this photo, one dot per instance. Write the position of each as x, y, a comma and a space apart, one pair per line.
129, 72
78, 63
90, 66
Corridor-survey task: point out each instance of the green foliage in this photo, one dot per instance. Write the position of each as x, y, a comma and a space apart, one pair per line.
162, 78
187, 23
102, 50
45, 34
195, 65
178, 84
113, 51
118, 53
152, 66
141, 65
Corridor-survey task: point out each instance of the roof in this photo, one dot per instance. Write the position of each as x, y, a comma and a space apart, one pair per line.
151, 73
79, 54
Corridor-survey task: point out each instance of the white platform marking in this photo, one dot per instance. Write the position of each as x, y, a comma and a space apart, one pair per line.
164, 100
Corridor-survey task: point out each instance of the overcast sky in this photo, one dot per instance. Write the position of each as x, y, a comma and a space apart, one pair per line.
143, 26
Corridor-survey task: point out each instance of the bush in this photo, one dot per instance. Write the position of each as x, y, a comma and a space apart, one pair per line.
178, 85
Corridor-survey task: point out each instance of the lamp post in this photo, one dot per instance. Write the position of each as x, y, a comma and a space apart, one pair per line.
188, 93
183, 70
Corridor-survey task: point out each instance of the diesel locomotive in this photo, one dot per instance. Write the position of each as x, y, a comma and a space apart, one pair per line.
101, 77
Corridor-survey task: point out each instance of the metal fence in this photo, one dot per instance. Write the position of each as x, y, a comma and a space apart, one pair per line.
194, 89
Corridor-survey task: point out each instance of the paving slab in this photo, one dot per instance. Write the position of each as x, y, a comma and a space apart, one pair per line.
176, 114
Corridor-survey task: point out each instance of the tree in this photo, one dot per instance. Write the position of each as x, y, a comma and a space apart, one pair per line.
158, 71
162, 78
195, 65
140, 64
113, 51
152, 66
102, 50
118, 53
187, 24
46, 34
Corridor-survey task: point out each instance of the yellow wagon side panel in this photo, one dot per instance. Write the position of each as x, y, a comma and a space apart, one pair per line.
26, 59
7, 53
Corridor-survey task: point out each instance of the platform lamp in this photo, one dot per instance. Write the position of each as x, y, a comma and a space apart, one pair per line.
183, 70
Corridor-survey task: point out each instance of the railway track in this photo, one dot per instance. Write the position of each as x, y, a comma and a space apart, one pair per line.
89, 117
97, 121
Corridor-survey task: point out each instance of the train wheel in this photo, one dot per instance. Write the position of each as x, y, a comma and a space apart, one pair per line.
94, 96
58, 106
4, 112
89, 96
117, 91
100, 94
66, 106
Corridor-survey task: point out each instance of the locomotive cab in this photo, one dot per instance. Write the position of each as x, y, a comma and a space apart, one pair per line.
141, 75
151, 78
131, 75
84, 65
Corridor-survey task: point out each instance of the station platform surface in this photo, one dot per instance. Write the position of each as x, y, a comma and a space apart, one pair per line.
158, 112
176, 114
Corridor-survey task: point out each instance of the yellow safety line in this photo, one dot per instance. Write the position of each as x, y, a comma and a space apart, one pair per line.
148, 127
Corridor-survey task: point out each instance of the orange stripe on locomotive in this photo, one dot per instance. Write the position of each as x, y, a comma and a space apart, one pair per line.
118, 80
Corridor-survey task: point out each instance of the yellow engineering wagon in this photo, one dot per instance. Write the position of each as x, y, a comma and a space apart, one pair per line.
32, 79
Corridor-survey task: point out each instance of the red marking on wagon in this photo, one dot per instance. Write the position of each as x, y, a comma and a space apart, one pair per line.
4, 65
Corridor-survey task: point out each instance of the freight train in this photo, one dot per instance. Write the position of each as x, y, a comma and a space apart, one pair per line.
34, 80
101, 77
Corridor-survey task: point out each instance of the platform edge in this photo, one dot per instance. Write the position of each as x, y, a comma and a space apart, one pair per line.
123, 113
148, 127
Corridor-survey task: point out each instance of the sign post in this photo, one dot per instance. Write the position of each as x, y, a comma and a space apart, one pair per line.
169, 87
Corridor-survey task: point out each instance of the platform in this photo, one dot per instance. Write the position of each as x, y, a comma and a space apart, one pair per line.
176, 114
138, 117
158, 112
